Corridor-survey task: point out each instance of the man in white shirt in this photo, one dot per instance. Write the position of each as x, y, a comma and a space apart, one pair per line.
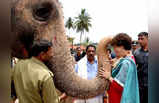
87, 68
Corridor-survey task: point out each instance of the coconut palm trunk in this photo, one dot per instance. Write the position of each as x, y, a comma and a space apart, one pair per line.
81, 37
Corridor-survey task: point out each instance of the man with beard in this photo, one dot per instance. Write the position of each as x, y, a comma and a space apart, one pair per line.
141, 57
33, 80
87, 68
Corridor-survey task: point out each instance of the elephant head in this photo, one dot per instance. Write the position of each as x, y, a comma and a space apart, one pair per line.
43, 19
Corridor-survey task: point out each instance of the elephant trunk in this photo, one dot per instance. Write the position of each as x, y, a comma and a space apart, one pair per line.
43, 19
65, 78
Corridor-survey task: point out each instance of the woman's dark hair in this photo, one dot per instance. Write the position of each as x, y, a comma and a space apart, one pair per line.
90, 46
40, 46
122, 39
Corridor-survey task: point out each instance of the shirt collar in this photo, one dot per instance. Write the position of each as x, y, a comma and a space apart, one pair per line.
143, 50
38, 61
95, 60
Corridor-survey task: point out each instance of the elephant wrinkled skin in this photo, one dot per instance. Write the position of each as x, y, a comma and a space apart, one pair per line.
44, 20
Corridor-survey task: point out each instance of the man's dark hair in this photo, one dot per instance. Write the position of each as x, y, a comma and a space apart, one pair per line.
143, 34
22, 40
40, 46
90, 46
109, 50
27, 40
122, 39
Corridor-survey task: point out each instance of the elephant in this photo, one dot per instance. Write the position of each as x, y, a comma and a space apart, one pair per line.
43, 19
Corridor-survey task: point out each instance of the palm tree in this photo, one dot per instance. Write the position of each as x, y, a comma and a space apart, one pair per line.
69, 24
82, 23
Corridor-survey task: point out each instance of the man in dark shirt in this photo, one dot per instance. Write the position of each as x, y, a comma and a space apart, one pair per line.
78, 54
141, 56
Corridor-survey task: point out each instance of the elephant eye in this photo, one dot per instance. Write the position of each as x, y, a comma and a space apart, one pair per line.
42, 12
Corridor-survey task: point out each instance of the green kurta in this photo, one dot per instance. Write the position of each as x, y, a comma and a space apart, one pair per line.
34, 82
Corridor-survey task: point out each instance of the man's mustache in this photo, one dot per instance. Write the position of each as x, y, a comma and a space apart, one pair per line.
91, 55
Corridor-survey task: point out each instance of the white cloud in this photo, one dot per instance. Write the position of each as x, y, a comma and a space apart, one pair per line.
110, 17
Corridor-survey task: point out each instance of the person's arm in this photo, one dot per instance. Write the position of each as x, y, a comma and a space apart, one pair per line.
63, 96
111, 79
114, 83
13, 92
135, 56
49, 94
120, 77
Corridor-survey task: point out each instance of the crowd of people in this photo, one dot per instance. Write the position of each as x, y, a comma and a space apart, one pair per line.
128, 77
137, 51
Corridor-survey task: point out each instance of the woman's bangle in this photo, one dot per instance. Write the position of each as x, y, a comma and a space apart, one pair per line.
110, 79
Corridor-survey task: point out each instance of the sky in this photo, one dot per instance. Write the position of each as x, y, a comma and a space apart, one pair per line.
109, 17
